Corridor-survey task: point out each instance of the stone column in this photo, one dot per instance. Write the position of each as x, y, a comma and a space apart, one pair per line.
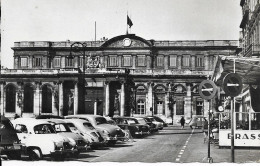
95, 107
107, 99
179, 64
193, 62
150, 98
60, 98
166, 62
76, 98
206, 62
167, 102
134, 61
187, 106
2, 98
122, 100
36, 109
19, 108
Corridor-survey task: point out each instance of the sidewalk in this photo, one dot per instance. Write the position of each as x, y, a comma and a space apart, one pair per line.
197, 151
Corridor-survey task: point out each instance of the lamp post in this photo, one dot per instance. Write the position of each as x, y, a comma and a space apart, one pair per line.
77, 47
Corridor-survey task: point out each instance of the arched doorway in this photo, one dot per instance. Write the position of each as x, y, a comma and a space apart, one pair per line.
28, 98
10, 98
46, 99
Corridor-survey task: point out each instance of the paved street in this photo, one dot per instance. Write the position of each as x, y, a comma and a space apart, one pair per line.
171, 144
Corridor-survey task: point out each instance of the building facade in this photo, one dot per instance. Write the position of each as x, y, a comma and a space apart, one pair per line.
125, 75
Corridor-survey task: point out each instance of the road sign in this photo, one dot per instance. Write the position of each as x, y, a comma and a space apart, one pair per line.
207, 89
232, 84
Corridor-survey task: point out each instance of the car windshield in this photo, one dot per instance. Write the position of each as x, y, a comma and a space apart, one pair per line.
132, 121
88, 125
100, 120
141, 121
62, 127
148, 120
43, 129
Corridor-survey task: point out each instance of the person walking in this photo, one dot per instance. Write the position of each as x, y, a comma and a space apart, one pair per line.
182, 122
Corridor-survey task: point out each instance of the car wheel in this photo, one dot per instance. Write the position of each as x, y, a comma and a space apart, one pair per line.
35, 154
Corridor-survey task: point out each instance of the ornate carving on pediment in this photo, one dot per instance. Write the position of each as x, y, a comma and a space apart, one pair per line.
134, 43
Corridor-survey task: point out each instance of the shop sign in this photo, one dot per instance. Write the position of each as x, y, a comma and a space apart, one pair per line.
245, 138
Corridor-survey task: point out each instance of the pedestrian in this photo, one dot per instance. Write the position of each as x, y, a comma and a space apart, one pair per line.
182, 122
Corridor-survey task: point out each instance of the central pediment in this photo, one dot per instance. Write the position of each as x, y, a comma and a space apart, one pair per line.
127, 41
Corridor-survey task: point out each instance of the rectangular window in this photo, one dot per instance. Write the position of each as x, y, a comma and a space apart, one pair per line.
160, 61
127, 61
112, 61
200, 61
141, 60
56, 62
69, 62
186, 61
24, 62
173, 61
37, 62
140, 107
179, 107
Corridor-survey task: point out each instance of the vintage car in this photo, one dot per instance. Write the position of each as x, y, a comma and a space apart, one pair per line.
110, 133
158, 124
87, 131
130, 123
145, 121
160, 120
39, 139
197, 121
62, 128
9, 144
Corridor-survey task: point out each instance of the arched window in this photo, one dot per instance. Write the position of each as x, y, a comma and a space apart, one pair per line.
10, 98
140, 107
28, 99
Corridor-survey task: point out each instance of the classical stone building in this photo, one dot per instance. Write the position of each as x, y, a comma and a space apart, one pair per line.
125, 75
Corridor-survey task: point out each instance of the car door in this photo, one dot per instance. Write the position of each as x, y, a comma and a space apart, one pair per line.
22, 132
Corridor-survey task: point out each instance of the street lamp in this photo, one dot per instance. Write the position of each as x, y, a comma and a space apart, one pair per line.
77, 47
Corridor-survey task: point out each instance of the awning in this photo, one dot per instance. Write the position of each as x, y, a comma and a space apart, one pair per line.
248, 68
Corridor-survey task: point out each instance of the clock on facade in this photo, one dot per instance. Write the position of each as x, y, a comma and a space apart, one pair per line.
127, 42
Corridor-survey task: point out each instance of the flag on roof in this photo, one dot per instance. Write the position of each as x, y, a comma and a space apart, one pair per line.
129, 22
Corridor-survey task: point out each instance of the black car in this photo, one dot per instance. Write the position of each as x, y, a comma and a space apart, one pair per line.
130, 123
145, 120
160, 120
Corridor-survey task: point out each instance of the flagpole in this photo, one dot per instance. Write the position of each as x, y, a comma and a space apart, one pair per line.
126, 23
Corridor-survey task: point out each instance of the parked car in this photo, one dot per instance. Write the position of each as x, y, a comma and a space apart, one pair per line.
9, 143
144, 121
159, 125
62, 128
87, 131
160, 120
109, 132
153, 126
135, 128
39, 139
197, 121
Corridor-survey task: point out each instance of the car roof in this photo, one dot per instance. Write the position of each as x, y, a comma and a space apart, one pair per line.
49, 117
76, 121
54, 120
84, 116
29, 121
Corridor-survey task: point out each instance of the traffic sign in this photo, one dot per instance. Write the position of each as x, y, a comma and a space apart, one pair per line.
207, 89
232, 84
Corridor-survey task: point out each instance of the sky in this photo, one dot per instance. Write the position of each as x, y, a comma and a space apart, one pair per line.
60, 20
